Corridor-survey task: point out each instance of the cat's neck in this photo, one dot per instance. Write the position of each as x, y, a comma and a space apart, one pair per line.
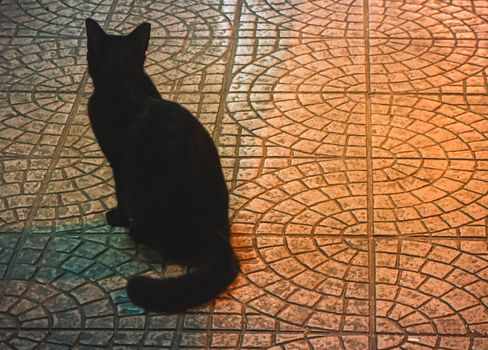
126, 88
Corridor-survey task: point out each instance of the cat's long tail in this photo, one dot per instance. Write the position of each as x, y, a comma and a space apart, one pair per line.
178, 294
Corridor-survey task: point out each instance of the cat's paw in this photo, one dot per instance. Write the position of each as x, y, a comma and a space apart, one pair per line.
115, 219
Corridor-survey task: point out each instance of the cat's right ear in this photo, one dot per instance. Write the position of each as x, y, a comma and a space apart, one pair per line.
95, 35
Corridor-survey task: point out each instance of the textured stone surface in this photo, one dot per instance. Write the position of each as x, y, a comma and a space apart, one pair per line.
353, 136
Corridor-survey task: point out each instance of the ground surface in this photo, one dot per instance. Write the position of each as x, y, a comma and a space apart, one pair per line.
353, 136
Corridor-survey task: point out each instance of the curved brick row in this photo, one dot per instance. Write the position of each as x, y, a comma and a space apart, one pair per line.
432, 288
32, 123
20, 182
42, 64
307, 124
317, 197
292, 269
425, 19
79, 193
50, 17
62, 289
428, 65
312, 281
205, 19
429, 172
425, 127
335, 65
318, 17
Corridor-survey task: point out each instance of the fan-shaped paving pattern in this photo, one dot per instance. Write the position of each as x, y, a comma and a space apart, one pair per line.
424, 19
429, 65
71, 290
319, 124
37, 64
316, 17
79, 192
397, 341
50, 17
425, 127
438, 197
293, 270
316, 342
313, 281
434, 289
429, 172
7, 248
31, 124
205, 19
335, 65
20, 182
317, 197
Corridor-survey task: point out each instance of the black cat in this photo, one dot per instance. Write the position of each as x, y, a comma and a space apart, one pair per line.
169, 183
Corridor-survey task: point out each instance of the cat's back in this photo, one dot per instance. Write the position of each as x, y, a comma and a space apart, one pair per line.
163, 121
167, 132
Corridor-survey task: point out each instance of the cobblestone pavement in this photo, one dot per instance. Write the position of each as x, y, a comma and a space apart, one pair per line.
354, 138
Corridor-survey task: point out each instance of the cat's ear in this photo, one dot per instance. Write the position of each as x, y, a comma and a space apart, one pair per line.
140, 35
95, 35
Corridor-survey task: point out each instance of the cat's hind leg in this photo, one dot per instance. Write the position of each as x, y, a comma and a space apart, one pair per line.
118, 216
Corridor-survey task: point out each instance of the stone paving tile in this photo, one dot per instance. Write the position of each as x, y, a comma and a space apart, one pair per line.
69, 291
313, 281
426, 19
321, 124
204, 19
478, 7
431, 292
79, 192
321, 197
245, 157
328, 18
430, 168
334, 65
50, 17
20, 183
7, 249
42, 64
426, 65
430, 197
353, 136
31, 124
62, 289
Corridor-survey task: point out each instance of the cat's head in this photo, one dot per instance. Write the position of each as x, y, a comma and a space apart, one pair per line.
110, 55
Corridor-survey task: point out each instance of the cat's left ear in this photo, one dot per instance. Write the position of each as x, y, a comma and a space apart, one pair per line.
95, 35
140, 35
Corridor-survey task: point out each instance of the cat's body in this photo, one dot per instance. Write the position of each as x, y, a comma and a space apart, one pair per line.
169, 183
